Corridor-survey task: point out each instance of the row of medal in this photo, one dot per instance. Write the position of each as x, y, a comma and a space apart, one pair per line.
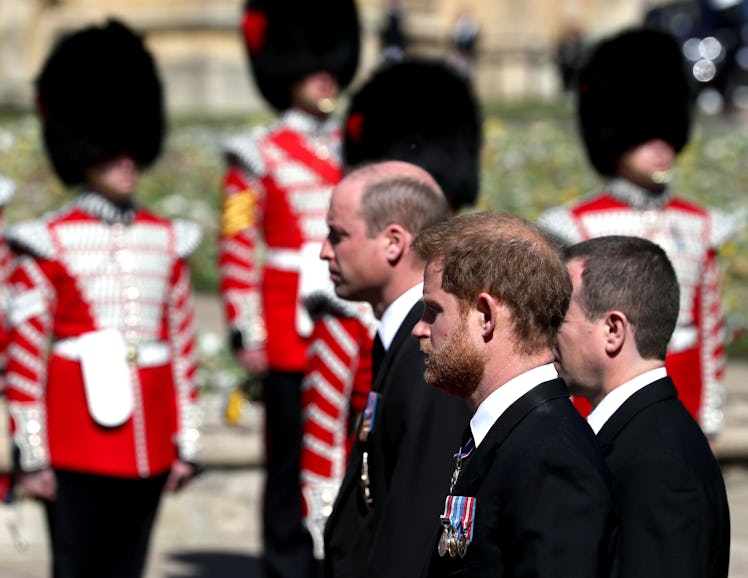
457, 520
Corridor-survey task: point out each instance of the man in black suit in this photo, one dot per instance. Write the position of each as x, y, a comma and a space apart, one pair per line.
529, 494
399, 466
667, 485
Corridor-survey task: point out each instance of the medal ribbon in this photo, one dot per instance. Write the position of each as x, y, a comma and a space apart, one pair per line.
465, 451
467, 518
459, 512
370, 414
455, 517
447, 508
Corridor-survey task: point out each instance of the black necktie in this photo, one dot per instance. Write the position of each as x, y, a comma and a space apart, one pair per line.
377, 355
467, 441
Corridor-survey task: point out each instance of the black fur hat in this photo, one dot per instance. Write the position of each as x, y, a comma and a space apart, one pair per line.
99, 95
420, 111
634, 88
288, 39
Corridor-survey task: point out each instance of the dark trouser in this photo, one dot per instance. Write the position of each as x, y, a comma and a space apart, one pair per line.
100, 526
288, 546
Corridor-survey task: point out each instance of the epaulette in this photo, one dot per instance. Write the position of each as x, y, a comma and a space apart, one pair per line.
32, 237
244, 150
558, 223
321, 302
188, 235
724, 227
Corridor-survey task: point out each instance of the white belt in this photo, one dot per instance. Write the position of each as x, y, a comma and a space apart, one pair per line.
283, 259
150, 354
683, 338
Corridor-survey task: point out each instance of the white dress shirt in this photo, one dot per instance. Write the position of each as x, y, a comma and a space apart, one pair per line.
499, 401
395, 314
615, 399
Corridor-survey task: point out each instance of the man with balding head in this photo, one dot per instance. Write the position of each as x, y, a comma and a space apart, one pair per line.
400, 463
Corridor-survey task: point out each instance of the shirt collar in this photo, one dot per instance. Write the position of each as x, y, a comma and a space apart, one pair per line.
637, 196
616, 398
102, 208
499, 401
395, 314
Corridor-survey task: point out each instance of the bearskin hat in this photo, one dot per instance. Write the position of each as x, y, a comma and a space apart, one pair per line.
287, 40
99, 95
424, 112
634, 88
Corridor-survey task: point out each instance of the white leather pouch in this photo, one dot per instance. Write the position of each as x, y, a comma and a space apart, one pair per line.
106, 376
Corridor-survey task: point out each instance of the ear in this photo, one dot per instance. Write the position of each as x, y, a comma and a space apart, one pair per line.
616, 332
397, 240
488, 308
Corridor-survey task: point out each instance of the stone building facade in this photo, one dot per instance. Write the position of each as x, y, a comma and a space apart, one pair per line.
201, 58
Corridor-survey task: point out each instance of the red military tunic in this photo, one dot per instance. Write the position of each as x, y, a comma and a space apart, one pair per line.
276, 196
105, 294
334, 391
691, 236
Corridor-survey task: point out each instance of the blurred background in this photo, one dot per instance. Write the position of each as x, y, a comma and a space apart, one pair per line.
201, 56
518, 41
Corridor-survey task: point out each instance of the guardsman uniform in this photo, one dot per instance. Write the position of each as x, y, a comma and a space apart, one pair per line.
276, 192
102, 346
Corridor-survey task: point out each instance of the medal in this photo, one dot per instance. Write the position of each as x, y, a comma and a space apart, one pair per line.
459, 457
457, 520
452, 543
459, 513
370, 413
443, 541
462, 545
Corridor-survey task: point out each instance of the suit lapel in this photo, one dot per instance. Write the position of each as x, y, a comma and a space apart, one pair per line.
657, 391
351, 477
403, 334
514, 414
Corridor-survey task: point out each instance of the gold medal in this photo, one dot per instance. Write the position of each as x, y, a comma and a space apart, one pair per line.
452, 543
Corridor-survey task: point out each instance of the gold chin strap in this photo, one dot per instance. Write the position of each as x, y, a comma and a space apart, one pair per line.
662, 177
327, 105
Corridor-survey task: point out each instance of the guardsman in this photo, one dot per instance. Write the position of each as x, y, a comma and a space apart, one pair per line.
276, 192
102, 348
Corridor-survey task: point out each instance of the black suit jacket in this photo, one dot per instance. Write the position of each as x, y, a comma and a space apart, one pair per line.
410, 462
667, 487
543, 503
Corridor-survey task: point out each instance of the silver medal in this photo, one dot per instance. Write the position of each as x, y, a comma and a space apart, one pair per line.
443, 543
462, 545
